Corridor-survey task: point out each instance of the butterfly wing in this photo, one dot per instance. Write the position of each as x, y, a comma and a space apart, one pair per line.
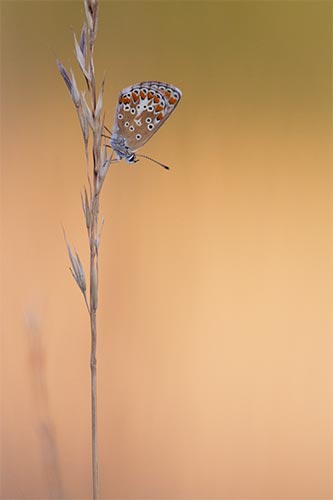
142, 109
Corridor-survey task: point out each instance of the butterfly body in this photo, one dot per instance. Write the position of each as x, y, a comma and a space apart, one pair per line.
118, 144
141, 110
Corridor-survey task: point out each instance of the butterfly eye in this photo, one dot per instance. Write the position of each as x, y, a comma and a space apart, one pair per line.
131, 158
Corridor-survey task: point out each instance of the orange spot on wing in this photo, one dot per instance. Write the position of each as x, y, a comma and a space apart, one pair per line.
135, 97
150, 95
159, 116
158, 108
172, 100
167, 94
142, 94
156, 99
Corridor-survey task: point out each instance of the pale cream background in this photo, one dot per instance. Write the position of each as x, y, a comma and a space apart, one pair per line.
215, 338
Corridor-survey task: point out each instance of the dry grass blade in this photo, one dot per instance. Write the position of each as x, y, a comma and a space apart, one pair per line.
100, 100
88, 15
80, 272
99, 234
81, 59
91, 8
90, 118
87, 111
104, 169
77, 268
71, 84
65, 76
83, 40
75, 91
84, 127
86, 207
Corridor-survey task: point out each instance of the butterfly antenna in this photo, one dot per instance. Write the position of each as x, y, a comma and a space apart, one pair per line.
107, 130
155, 161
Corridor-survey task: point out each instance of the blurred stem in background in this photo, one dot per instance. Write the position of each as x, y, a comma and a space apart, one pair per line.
45, 429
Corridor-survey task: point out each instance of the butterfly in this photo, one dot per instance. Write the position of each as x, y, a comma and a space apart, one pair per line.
141, 110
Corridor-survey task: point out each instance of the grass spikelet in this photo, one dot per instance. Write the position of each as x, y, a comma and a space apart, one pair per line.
91, 118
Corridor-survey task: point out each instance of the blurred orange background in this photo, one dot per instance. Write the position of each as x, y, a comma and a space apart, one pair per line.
214, 326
